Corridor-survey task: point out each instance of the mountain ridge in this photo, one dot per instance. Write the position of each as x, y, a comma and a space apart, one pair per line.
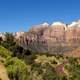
45, 37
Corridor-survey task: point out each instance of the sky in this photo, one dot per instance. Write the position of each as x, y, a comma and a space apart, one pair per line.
17, 15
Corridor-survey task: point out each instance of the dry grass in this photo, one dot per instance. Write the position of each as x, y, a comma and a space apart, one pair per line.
3, 72
74, 53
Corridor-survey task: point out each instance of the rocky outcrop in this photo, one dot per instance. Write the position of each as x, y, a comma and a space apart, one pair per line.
48, 38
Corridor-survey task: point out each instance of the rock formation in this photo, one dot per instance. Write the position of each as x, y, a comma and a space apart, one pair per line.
48, 38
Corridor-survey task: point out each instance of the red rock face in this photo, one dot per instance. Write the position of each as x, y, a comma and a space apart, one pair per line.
46, 37
55, 33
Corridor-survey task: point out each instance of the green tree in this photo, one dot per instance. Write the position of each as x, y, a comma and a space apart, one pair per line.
9, 41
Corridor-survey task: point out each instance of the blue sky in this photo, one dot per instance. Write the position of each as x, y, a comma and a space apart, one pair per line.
18, 15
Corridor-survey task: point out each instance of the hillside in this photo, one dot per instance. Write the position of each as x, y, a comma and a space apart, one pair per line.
38, 67
10, 65
4, 54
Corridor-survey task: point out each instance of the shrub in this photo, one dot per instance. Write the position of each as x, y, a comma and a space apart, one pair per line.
17, 69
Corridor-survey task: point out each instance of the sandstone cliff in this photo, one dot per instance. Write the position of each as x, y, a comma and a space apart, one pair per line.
51, 38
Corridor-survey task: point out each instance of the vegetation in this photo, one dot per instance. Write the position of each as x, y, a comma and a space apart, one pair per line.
22, 64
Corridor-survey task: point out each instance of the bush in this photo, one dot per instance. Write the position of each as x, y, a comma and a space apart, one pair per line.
5, 53
17, 69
